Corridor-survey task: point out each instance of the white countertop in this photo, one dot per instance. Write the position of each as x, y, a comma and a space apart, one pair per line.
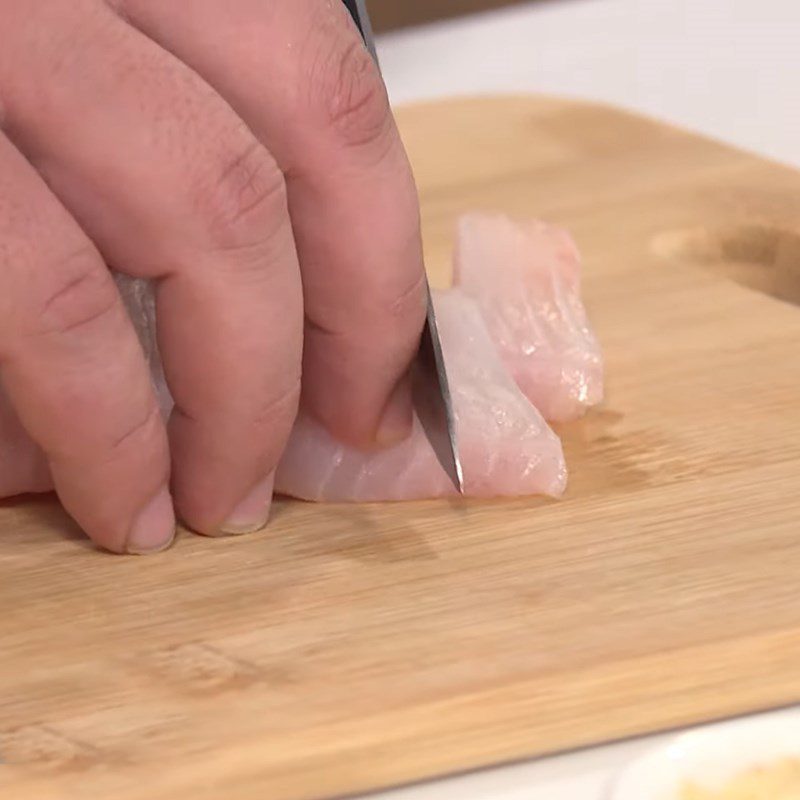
726, 68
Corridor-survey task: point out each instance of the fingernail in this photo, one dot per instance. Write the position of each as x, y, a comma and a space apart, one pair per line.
252, 514
154, 529
396, 420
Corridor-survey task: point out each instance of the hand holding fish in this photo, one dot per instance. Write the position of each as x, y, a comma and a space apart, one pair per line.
243, 157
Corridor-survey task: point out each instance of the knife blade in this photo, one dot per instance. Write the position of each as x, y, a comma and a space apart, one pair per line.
432, 397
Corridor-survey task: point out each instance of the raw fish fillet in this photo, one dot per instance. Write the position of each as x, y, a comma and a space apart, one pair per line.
513, 331
526, 279
506, 447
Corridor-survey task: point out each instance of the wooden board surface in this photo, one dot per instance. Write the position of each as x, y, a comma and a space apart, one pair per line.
356, 647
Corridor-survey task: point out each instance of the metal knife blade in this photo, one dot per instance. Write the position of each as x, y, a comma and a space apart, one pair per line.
358, 11
433, 401
431, 390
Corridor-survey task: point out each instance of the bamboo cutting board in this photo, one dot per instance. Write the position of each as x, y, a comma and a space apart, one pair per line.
351, 648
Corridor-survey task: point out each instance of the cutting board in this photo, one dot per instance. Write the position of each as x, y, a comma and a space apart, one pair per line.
350, 648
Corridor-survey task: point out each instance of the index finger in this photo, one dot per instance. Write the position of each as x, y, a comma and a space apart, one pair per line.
319, 104
75, 373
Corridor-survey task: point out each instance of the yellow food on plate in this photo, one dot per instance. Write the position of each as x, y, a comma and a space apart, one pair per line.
778, 781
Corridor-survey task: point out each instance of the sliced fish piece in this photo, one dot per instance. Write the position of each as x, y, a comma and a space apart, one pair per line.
506, 447
525, 276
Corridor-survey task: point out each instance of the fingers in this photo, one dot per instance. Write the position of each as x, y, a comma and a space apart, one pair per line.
171, 185
298, 74
23, 467
73, 369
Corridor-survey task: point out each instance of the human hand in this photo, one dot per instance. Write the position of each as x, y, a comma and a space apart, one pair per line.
243, 156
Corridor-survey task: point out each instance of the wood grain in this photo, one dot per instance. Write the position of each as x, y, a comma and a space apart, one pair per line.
351, 648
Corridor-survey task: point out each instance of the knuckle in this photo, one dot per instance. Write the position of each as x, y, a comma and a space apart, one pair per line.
264, 424
404, 314
107, 431
79, 294
397, 304
142, 431
348, 91
243, 197
410, 303
380, 313
280, 409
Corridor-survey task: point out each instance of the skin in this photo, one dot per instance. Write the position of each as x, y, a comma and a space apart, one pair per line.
244, 157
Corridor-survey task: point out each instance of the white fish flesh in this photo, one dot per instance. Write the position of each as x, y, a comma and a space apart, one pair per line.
526, 279
506, 447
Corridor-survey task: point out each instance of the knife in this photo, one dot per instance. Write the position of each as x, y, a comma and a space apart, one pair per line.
432, 398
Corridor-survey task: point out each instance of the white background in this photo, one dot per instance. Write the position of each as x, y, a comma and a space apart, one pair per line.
727, 68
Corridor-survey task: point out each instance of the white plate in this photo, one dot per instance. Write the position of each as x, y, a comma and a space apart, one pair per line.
709, 756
